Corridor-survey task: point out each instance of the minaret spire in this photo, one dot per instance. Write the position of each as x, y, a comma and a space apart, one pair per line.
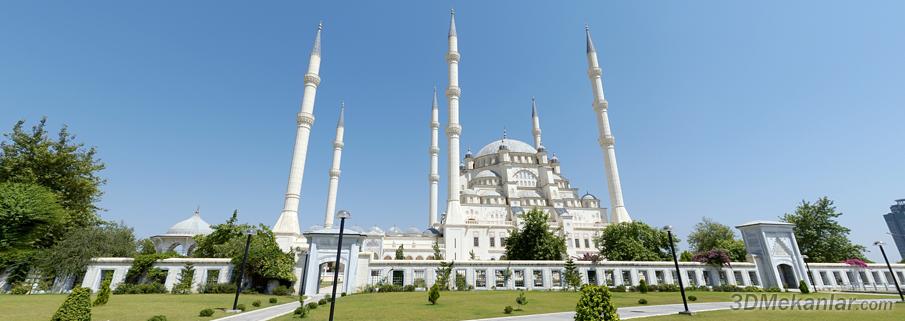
454, 228
535, 121
607, 143
334, 169
286, 230
434, 176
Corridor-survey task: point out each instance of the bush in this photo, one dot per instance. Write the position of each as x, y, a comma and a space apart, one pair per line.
389, 288
206, 312
595, 304
433, 294
218, 288
21, 288
751, 288
342, 294
692, 298
521, 300
158, 318
620, 288
803, 287
322, 302
642, 301
773, 289
104, 295
301, 312
256, 303
668, 288
77, 306
272, 300
281, 290
329, 298
642, 286
149, 288
241, 307
302, 299
507, 309
408, 288
311, 305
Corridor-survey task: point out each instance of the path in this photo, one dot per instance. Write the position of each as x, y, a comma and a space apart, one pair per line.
268, 312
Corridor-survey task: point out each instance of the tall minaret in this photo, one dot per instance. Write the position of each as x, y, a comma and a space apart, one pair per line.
334, 169
454, 228
535, 120
434, 177
287, 230
607, 142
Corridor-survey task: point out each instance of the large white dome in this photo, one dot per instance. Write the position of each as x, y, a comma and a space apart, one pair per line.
192, 226
515, 146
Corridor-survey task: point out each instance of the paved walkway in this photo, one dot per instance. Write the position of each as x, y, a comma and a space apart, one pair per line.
268, 312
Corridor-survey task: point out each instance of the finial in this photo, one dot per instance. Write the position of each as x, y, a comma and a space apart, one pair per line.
434, 104
198, 210
590, 44
320, 25
504, 134
452, 11
452, 23
533, 107
342, 113
586, 27
317, 40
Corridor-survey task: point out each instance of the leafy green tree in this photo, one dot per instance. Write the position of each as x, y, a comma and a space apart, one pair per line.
595, 304
184, 283
711, 235
399, 254
77, 306
30, 220
104, 295
436, 248
433, 294
521, 300
71, 255
803, 287
686, 256
443, 273
634, 241
819, 234
65, 167
535, 241
571, 276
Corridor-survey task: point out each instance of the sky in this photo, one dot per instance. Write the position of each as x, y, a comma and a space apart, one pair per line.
732, 110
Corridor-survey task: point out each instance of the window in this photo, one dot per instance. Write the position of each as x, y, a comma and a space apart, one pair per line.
213, 277
503, 241
526, 179
692, 278
500, 280
519, 276
738, 278
661, 277
755, 282
824, 278
577, 244
708, 281
538, 278
419, 279
627, 278
724, 278
375, 276
838, 278
492, 242
106, 275
476, 241
480, 280
876, 277
587, 243
609, 277
557, 278
398, 278
592, 277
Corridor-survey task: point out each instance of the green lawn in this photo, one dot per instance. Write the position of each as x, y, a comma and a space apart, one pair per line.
483, 304
897, 314
131, 307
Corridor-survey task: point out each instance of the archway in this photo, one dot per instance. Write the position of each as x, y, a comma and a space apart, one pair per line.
325, 279
788, 276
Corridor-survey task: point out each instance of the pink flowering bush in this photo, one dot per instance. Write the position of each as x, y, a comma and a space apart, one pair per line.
855, 262
715, 257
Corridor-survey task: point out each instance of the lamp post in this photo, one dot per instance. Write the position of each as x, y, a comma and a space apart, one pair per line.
678, 273
891, 273
810, 274
342, 215
249, 233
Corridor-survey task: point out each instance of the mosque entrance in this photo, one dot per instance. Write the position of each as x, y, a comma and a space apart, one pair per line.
788, 276
325, 283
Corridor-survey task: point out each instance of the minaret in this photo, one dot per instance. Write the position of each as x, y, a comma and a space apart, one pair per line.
334, 169
434, 177
454, 228
535, 120
286, 230
607, 142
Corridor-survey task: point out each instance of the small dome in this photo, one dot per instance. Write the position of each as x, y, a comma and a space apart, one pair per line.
486, 173
554, 159
413, 231
375, 230
588, 196
394, 231
514, 146
468, 153
192, 226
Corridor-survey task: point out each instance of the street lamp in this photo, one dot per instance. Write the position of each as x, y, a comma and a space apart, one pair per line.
249, 233
810, 274
342, 215
675, 260
891, 273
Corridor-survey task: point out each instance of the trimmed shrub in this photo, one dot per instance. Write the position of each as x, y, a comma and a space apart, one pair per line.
642, 301
158, 318
321, 301
773, 289
77, 306
328, 297
595, 304
301, 312
150, 288
281, 290
642, 286
342, 294
21, 288
803, 287
103, 295
507, 309
241, 307
668, 288
620, 288
206, 312
521, 300
433, 294
272, 300
256, 303
311, 305
692, 298
218, 288
408, 288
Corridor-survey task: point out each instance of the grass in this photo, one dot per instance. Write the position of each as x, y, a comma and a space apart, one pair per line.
133, 307
485, 304
897, 314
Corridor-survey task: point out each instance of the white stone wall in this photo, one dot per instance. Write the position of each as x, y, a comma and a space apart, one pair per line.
173, 266
843, 277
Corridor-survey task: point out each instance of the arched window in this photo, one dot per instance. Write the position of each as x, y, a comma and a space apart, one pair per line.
526, 179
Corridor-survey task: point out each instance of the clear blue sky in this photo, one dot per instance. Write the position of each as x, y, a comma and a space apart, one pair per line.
735, 111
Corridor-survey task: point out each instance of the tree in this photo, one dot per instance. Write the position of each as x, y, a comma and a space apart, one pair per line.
399, 254
534, 241
77, 306
686, 256
71, 255
634, 241
595, 304
30, 220
184, 283
571, 276
65, 167
717, 258
819, 234
710, 235
443, 273
803, 287
436, 248
521, 300
433, 294
104, 295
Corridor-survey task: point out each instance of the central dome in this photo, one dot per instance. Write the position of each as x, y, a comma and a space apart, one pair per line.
515, 146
